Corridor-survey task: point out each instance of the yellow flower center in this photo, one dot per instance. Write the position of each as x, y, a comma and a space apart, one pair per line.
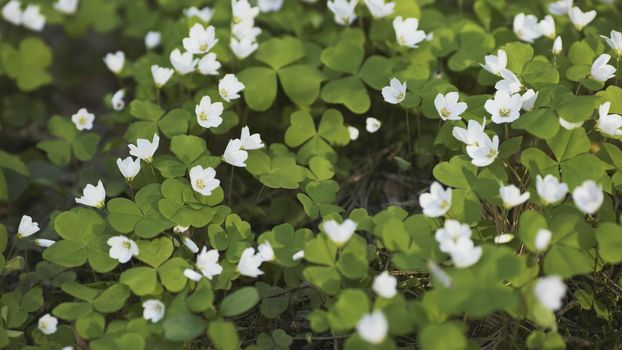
491, 153
82, 120
126, 245
203, 116
223, 93
445, 113
504, 112
200, 184
203, 47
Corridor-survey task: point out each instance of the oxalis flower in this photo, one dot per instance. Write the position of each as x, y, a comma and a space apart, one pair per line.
339, 233
152, 39
249, 263
471, 134
115, 61
372, 125
395, 92
205, 14
129, 167
145, 149
407, 33
448, 107
244, 47
189, 243
543, 238
229, 87
32, 18
448, 235
93, 196
209, 65
495, 64
385, 285
509, 83
484, 151
183, 63
270, 5
234, 154
588, 197
437, 202
608, 124
579, 18
547, 27
528, 99
117, 100
122, 248
557, 46
343, 11
67, 7
250, 142
265, 251
243, 11
200, 39
27, 227
379, 9
504, 108
373, 328
161, 75
47, 324
83, 120
203, 181
511, 196
12, 12
601, 71
526, 27
614, 42
208, 113
153, 310
207, 263
560, 7
550, 189
465, 253
550, 292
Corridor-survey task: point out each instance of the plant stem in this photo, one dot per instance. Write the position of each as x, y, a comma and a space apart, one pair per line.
230, 186
410, 147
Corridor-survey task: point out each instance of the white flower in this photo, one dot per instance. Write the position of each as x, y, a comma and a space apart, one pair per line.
27, 227
407, 33
379, 8
208, 65
205, 14
145, 149
495, 64
511, 196
161, 75
339, 233
122, 248
270, 5
484, 151
465, 254
192, 275
528, 99
395, 92
12, 12
569, 125
509, 83
153, 39
557, 46
180, 229
83, 120
298, 255
189, 243
343, 10
543, 238
372, 125
265, 251
614, 42
437, 202
550, 189
249, 263
93, 196
229, 87
526, 27
503, 238
153, 310
588, 197
579, 18
243, 48
117, 100
560, 7
601, 71
203, 180
47, 324
504, 108
45, 243
234, 154
550, 291
243, 11
207, 263
115, 61
373, 328
208, 113
608, 124
68, 7
385, 285
183, 62
32, 18
245, 30
448, 106
547, 27
250, 142
200, 39
129, 167
471, 134
354, 133
448, 235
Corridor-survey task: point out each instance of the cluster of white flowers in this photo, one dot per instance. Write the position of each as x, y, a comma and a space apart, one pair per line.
455, 239
30, 17
143, 150
243, 31
207, 264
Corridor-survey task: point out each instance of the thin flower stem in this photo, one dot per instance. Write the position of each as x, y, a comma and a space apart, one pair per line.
230, 186
578, 88
410, 147
158, 96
